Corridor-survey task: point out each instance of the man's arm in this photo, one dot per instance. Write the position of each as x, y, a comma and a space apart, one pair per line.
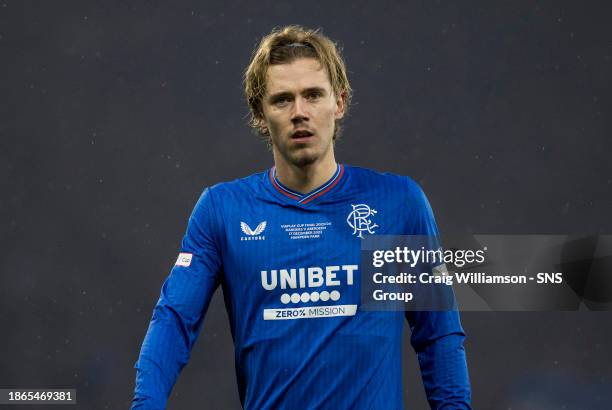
437, 338
177, 317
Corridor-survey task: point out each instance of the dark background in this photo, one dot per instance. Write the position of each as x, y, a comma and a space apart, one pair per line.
114, 116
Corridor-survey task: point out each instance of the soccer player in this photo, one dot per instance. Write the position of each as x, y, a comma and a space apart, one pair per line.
284, 245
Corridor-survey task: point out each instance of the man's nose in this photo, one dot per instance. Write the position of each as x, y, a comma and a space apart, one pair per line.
299, 110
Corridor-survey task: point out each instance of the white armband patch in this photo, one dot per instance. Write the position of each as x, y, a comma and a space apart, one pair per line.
184, 259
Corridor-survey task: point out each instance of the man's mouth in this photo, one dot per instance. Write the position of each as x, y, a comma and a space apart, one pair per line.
301, 135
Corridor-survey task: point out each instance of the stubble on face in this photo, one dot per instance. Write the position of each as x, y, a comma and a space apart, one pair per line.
302, 156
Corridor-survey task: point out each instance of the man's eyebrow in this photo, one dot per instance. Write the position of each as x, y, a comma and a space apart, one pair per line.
282, 94
314, 89
274, 97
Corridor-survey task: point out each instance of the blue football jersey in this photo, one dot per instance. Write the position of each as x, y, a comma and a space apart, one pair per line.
288, 264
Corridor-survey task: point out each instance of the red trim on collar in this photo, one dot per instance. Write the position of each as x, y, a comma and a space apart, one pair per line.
328, 188
271, 176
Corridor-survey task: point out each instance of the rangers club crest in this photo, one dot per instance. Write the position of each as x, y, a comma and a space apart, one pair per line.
359, 220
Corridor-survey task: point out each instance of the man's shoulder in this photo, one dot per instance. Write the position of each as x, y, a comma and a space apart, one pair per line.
385, 180
230, 193
244, 185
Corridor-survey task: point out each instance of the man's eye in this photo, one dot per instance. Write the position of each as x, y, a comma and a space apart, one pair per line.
313, 96
281, 102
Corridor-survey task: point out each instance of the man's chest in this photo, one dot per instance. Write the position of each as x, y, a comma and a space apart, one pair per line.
285, 256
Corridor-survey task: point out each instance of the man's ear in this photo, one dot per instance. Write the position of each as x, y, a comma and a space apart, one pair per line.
261, 124
341, 103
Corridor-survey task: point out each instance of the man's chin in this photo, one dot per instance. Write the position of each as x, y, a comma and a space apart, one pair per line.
303, 160
303, 157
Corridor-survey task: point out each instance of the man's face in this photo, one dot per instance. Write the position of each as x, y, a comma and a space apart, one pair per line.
300, 110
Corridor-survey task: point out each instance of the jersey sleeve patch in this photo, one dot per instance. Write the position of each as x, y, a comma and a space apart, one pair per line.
184, 259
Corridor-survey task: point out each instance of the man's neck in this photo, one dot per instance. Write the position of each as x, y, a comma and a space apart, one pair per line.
306, 178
